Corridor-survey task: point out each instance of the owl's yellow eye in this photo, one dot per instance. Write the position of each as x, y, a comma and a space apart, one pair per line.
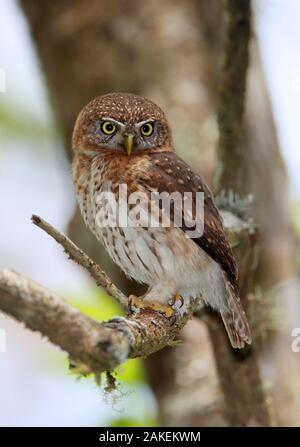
108, 127
147, 129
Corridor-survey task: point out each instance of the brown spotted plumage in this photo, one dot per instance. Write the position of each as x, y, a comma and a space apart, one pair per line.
125, 139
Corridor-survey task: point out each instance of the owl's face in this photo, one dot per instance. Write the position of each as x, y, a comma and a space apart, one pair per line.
121, 122
109, 133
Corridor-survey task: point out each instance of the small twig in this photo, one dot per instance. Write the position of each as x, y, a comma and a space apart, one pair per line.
81, 258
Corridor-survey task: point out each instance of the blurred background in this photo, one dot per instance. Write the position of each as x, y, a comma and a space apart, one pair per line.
54, 57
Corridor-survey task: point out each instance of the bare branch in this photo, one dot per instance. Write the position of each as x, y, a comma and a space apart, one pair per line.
81, 258
98, 346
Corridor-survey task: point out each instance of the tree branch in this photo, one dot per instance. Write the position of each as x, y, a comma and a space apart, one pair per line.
81, 258
98, 346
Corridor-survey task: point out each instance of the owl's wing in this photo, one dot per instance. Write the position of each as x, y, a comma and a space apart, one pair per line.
169, 173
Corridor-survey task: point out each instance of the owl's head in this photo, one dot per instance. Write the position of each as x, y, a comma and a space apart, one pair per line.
121, 122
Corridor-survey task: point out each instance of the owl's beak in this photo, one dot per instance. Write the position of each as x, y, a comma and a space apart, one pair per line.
128, 143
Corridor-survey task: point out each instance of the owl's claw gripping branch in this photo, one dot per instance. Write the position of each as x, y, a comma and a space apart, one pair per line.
177, 299
136, 302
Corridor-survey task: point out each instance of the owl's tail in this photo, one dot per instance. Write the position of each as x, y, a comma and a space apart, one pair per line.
235, 320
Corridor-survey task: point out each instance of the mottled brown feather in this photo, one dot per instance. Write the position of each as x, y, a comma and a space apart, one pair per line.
170, 173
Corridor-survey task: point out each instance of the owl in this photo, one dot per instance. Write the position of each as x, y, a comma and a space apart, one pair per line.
123, 143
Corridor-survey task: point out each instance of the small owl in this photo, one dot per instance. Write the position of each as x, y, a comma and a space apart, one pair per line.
122, 139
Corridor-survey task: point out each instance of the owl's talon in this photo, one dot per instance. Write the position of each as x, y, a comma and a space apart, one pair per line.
172, 319
135, 302
177, 298
166, 310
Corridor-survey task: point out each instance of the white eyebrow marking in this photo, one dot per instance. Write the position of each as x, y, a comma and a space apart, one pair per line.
144, 122
108, 118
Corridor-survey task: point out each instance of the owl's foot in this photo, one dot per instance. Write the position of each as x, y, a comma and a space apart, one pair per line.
161, 308
177, 298
137, 302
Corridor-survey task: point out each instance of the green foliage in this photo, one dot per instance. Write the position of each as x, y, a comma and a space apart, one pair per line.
132, 371
97, 304
21, 125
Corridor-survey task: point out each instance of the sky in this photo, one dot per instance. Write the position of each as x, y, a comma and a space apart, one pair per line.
278, 30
